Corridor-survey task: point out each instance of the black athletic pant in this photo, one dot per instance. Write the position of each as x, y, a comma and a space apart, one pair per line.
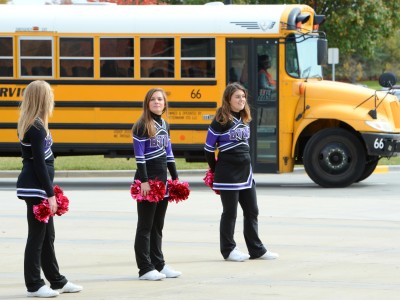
39, 252
248, 201
148, 240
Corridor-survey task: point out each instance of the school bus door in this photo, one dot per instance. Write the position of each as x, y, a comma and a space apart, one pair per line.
242, 64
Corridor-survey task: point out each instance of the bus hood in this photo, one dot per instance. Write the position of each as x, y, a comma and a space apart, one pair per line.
337, 92
349, 103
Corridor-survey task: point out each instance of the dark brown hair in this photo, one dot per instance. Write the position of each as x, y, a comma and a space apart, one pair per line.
224, 114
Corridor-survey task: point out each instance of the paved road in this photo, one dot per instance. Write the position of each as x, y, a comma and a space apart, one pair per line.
334, 243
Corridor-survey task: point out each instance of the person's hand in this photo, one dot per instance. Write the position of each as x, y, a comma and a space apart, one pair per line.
144, 188
53, 204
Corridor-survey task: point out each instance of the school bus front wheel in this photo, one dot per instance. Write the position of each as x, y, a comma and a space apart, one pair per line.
370, 166
334, 157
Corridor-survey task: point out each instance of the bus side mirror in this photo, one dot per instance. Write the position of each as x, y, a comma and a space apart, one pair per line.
322, 48
387, 80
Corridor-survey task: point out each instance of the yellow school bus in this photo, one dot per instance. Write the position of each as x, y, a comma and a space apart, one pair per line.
101, 60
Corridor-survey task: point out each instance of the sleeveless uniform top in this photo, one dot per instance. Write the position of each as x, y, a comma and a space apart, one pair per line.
233, 167
154, 154
37, 174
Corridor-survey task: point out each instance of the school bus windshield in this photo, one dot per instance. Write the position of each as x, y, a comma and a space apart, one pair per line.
301, 57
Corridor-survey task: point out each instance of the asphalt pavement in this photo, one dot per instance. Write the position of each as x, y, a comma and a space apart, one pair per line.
333, 243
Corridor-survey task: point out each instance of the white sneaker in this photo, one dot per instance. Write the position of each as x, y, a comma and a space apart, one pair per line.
70, 287
43, 292
170, 273
236, 255
269, 255
152, 275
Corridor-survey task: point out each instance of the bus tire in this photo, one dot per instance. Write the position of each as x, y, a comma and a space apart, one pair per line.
370, 166
334, 158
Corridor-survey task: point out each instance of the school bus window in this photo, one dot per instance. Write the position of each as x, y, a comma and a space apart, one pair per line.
198, 68
291, 60
157, 57
116, 57
36, 57
76, 57
198, 57
6, 57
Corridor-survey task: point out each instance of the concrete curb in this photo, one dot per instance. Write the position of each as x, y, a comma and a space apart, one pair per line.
130, 173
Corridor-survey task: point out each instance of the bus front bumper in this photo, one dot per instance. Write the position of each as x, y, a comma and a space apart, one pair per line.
382, 144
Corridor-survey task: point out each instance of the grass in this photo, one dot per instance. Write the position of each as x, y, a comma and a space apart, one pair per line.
100, 163
372, 84
96, 162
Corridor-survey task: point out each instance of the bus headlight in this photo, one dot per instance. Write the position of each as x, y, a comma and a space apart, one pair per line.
380, 125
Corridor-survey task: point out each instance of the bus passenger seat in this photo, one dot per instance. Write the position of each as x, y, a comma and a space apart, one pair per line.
63, 72
39, 70
157, 73
79, 72
6, 71
130, 72
196, 72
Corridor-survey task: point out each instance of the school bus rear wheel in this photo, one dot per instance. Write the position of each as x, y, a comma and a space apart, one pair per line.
334, 157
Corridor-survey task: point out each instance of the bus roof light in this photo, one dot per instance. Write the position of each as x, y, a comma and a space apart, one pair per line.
302, 18
319, 19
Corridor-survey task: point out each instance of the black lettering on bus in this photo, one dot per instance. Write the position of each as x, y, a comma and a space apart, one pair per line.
3, 92
12, 91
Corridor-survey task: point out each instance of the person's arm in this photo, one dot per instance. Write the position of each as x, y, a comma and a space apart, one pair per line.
211, 144
171, 159
139, 144
37, 138
141, 172
172, 170
210, 158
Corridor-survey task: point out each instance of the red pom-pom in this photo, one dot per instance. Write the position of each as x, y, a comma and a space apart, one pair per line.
42, 211
58, 191
62, 201
178, 191
156, 193
209, 180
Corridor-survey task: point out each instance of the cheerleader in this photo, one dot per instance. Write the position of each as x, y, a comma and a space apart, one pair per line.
153, 153
34, 184
229, 132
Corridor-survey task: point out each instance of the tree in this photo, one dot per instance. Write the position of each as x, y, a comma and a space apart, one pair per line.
365, 31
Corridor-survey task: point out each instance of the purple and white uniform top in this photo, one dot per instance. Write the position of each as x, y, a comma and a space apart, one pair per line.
233, 167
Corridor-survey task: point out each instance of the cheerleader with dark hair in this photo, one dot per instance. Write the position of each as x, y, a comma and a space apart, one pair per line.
153, 153
229, 132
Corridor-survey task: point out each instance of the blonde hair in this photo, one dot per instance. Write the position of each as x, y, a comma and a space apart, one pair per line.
37, 103
146, 120
224, 114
